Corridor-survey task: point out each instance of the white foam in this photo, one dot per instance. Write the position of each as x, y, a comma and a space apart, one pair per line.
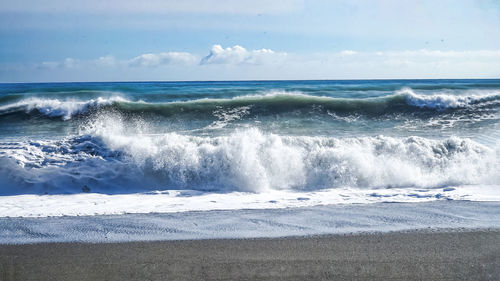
225, 117
269, 94
253, 223
443, 101
115, 157
173, 201
249, 160
60, 108
431, 100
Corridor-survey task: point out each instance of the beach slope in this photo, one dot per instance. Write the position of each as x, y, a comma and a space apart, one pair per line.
415, 255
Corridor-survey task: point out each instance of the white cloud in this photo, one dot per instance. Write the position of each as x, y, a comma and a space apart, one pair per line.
106, 61
66, 63
264, 64
144, 60
48, 65
422, 55
421, 63
163, 58
348, 53
70, 63
240, 55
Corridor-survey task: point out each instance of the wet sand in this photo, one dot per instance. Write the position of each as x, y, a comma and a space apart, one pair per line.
418, 255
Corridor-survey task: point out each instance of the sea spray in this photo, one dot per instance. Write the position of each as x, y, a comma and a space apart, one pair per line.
65, 108
112, 159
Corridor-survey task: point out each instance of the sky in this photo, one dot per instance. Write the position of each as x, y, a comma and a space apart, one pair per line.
153, 40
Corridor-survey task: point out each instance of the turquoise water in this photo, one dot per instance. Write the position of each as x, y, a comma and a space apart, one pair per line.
248, 135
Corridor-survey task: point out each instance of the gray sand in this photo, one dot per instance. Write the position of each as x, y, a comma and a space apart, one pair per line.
444, 255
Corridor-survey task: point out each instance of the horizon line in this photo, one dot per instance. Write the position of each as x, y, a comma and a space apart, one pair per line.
246, 80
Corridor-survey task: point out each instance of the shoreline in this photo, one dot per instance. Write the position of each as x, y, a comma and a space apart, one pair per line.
446, 254
256, 223
176, 201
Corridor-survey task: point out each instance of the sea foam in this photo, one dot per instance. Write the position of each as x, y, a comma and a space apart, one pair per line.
111, 157
446, 101
65, 108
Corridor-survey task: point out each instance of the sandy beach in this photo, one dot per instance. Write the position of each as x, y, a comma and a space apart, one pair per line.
416, 255
249, 140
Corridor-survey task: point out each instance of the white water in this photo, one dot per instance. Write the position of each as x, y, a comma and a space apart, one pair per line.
112, 156
444, 101
173, 201
65, 108
246, 223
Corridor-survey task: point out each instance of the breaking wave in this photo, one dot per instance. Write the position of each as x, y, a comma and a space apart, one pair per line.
108, 158
449, 101
65, 108
273, 102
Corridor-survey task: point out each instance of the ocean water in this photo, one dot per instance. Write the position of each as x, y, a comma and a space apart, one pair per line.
175, 146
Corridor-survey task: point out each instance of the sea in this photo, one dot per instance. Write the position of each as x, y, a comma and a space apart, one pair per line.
70, 149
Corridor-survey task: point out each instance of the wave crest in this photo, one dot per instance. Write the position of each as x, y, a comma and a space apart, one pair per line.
446, 101
109, 160
405, 101
59, 108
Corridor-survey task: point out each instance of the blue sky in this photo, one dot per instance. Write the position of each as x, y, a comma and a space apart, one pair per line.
59, 40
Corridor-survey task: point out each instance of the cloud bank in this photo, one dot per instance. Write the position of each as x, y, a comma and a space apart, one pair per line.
236, 55
239, 63
153, 60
